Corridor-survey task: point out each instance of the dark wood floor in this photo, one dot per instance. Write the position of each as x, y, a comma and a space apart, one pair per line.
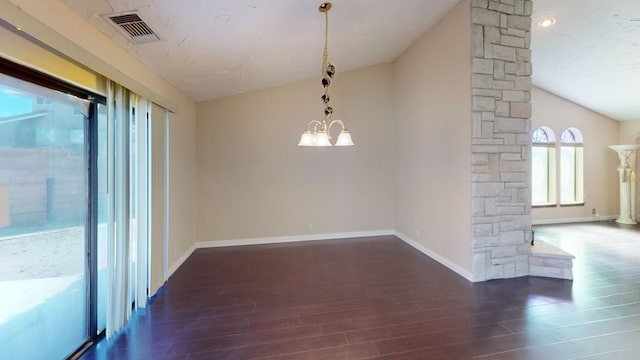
378, 298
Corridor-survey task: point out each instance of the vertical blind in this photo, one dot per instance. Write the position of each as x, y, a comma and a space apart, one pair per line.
159, 198
137, 203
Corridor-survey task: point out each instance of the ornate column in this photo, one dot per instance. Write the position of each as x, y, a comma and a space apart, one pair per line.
627, 183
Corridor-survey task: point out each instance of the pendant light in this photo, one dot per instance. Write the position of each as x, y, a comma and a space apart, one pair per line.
318, 132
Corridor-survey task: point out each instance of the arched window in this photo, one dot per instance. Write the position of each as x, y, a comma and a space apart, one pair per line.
571, 167
543, 167
541, 135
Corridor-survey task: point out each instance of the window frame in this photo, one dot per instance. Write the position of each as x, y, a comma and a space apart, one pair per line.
551, 164
577, 144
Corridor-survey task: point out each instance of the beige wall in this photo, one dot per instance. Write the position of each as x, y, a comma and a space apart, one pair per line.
182, 182
629, 132
54, 24
432, 143
600, 176
254, 181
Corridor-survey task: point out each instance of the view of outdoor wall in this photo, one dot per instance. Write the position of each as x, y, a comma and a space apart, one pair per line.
43, 174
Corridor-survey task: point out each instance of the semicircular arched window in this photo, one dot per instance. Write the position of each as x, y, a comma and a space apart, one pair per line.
541, 135
571, 167
543, 167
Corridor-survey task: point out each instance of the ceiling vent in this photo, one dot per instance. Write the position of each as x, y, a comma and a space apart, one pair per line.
131, 25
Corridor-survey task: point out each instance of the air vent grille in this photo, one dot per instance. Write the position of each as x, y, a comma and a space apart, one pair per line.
132, 26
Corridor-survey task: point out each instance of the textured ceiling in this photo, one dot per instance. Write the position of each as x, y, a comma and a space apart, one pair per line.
591, 56
217, 48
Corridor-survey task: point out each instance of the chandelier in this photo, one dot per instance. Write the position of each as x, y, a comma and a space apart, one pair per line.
318, 133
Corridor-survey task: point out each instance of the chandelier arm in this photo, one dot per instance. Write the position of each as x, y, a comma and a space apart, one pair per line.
315, 123
336, 122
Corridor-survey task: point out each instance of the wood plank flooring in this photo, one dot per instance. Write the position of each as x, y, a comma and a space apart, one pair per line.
378, 298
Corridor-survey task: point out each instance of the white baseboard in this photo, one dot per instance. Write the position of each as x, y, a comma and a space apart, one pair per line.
295, 238
435, 256
574, 220
182, 259
318, 237
274, 240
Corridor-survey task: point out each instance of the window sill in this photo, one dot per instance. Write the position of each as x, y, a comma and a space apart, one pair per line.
572, 204
549, 205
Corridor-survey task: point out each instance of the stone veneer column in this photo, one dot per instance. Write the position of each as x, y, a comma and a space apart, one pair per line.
501, 111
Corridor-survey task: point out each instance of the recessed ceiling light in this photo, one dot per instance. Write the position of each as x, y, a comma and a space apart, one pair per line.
547, 21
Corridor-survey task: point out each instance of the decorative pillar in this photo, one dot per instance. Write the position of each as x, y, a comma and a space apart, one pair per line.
627, 183
636, 188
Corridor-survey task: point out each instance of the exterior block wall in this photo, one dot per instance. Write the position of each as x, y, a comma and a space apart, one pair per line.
44, 186
501, 111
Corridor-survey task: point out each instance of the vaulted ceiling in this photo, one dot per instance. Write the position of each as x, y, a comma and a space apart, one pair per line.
211, 49
591, 56
216, 48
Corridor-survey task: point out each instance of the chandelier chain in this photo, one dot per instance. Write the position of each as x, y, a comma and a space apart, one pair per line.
325, 53
327, 69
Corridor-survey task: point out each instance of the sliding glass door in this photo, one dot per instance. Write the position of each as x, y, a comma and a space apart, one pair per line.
75, 182
48, 245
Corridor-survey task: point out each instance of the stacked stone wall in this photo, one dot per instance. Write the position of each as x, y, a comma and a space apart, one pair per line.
501, 111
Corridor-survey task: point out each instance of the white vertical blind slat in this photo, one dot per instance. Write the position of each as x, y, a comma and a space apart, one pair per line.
158, 234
